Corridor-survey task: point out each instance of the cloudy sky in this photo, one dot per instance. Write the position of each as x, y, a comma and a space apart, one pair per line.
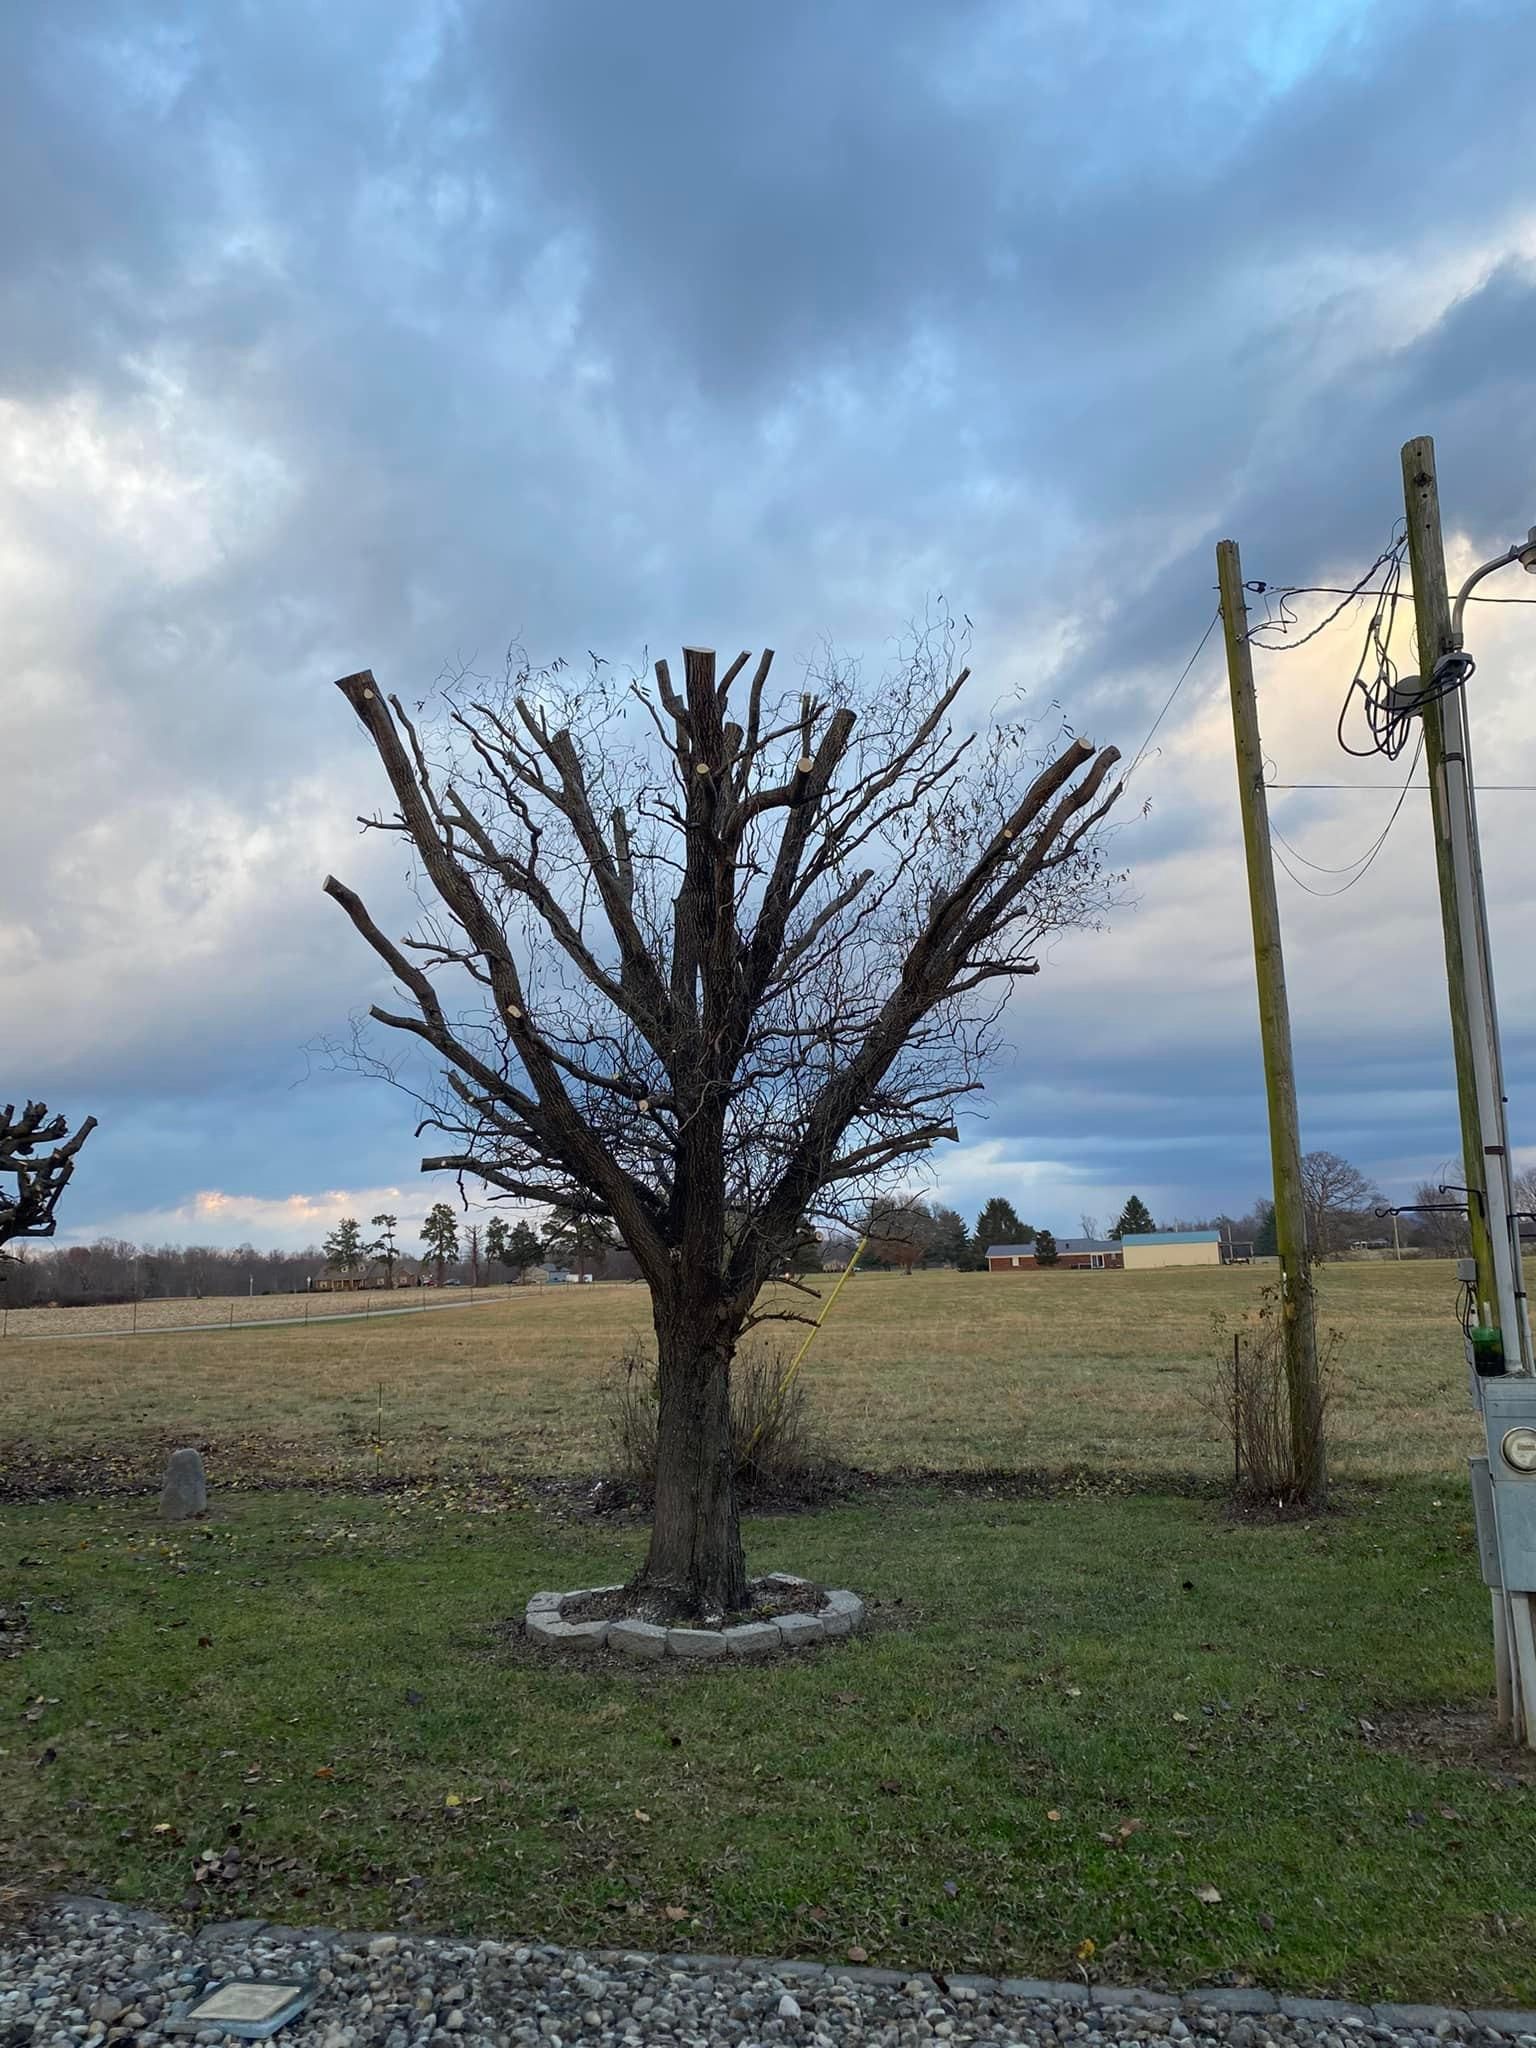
382, 334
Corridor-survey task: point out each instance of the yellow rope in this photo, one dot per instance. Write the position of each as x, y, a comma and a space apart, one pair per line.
794, 1364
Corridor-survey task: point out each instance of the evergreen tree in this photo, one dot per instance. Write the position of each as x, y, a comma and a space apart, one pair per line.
523, 1249
1133, 1219
496, 1241
344, 1250
440, 1235
1046, 1253
1265, 1245
949, 1244
999, 1223
574, 1239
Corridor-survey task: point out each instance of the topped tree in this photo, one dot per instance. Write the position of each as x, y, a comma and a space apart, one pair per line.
37, 1158
1134, 1219
713, 959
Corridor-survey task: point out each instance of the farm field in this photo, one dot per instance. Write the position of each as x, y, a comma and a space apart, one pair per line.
231, 1311
937, 1371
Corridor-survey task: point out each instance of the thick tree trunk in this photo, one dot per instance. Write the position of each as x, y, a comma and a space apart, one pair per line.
695, 1552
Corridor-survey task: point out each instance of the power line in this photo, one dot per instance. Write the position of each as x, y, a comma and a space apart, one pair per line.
1168, 702
1388, 788
1366, 859
1390, 558
1335, 590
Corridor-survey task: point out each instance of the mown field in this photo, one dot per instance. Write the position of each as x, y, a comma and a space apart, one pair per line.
1099, 1730
940, 1370
1100, 1738
230, 1311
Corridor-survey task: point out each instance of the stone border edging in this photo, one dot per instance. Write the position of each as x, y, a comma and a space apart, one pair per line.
1026, 1990
840, 1614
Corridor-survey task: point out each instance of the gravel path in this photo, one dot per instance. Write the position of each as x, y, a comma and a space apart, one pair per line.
92, 1974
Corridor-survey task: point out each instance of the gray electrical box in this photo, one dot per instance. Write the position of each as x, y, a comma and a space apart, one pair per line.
1509, 1404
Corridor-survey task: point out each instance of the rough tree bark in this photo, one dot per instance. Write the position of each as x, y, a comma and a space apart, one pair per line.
720, 960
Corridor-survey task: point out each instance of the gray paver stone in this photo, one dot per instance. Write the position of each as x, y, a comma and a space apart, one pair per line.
1423, 2015
1217, 1998
754, 1639
842, 1612
1506, 2022
1134, 1995
638, 1639
1044, 1990
695, 1642
1330, 2011
567, 1635
795, 1629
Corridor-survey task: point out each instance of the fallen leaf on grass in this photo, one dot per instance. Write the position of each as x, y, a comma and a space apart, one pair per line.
644, 1817
1266, 1922
1181, 1717
1053, 1813
453, 1799
676, 1912
1127, 1828
1085, 1948
1207, 1894
325, 1771
857, 1954
951, 1889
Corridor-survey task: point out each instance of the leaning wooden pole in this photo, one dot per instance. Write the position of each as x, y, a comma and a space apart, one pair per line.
1309, 1455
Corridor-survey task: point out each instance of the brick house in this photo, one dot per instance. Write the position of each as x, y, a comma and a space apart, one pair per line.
1079, 1254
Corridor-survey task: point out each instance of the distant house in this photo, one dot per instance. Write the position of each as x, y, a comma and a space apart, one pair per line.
1145, 1248
331, 1280
1078, 1254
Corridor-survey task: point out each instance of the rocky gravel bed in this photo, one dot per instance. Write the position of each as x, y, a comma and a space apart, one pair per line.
87, 1973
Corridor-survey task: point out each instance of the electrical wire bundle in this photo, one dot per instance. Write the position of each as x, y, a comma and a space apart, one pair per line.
1390, 706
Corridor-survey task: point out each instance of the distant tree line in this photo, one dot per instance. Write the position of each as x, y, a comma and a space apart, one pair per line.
352, 1254
903, 1234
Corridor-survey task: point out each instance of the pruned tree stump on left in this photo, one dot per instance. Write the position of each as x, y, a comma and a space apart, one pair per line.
839, 1613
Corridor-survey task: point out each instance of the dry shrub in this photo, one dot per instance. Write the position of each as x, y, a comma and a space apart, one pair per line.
772, 1436
1252, 1402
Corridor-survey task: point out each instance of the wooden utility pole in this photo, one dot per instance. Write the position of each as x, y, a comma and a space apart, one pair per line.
1309, 1454
1468, 970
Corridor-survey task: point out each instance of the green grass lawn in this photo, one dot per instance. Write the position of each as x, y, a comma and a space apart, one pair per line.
1072, 1723
1075, 1715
